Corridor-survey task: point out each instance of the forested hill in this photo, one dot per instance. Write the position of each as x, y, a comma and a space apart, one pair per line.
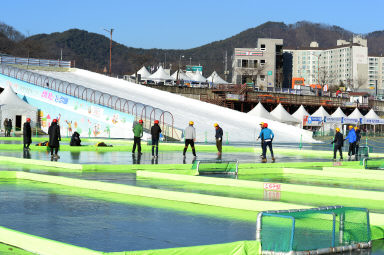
91, 50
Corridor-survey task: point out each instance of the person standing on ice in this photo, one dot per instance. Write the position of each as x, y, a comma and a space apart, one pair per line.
137, 134
155, 132
338, 142
54, 138
351, 137
190, 138
358, 137
27, 134
261, 143
267, 136
5, 124
219, 139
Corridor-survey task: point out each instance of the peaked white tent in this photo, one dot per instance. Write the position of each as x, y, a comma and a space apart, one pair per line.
321, 112
338, 113
261, 112
356, 114
182, 76
283, 116
143, 72
160, 75
215, 78
300, 113
371, 115
11, 106
197, 76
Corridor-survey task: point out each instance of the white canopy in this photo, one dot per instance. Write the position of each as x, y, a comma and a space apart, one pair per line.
371, 115
282, 115
160, 75
143, 72
261, 112
300, 113
215, 78
197, 76
356, 114
338, 113
321, 112
12, 105
182, 76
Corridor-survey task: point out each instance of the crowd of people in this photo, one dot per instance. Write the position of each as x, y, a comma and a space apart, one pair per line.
353, 138
266, 135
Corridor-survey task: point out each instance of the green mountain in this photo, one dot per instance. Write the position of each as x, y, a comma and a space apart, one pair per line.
91, 51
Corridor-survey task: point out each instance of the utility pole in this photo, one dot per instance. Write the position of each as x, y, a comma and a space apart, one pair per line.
110, 51
226, 66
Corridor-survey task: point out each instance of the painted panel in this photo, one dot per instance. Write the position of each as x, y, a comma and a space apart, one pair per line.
88, 119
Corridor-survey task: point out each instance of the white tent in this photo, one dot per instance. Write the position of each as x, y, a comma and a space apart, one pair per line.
160, 75
282, 115
356, 114
143, 72
182, 76
215, 78
371, 115
338, 113
197, 76
300, 113
261, 112
11, 106
321, 112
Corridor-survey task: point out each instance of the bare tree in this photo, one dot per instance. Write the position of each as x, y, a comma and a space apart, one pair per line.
361, 81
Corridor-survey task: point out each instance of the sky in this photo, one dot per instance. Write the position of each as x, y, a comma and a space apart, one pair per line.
171, 24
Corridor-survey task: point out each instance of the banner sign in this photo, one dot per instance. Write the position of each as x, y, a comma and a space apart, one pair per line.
349, 121
248, 53
332, 119
371, 121
234, 97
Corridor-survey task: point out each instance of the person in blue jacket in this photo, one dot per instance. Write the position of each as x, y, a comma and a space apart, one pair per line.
267, 136
351, 137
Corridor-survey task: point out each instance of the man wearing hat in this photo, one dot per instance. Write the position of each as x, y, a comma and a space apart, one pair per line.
190, 138
338, 142
137, 134
351, 137
27, 134
219, 138
261, 143
54, 138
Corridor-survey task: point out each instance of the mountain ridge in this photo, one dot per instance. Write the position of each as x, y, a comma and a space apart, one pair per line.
91, 51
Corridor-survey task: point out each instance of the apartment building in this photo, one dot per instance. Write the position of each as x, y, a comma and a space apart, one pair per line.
345, 64
262, 66
375, 72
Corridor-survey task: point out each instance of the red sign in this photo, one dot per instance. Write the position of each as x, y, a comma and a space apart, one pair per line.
272, 186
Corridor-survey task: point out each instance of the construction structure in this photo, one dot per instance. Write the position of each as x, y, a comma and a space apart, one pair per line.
260, 67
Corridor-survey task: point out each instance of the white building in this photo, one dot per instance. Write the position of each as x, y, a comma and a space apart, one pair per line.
344, 64
375, 72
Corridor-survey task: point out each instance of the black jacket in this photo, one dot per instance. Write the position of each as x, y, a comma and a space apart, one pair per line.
27, 133
54, 135
75, 139
339, 139
155, 131
219, 133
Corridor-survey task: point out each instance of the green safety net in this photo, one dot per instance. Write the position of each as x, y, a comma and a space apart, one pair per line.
215, 166
373, 163
314, 229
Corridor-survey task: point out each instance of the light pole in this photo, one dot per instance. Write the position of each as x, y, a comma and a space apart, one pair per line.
318, 70
110, 50
178, 71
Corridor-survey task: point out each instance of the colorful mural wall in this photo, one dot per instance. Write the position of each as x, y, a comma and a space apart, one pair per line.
73, 114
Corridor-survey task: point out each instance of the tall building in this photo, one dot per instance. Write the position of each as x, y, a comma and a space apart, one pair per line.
262, 66
344, 64
376, 72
